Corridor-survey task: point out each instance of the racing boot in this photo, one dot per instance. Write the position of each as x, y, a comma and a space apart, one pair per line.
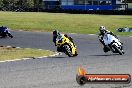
106, 49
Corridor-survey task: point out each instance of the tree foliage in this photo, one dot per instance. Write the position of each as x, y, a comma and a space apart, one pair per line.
13, 4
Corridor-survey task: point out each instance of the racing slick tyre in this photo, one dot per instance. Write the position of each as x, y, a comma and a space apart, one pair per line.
10, 35
117, 50
75, 53
67, 50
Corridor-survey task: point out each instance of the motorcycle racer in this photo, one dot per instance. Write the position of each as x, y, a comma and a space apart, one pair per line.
4, 31
57, 34
102, 31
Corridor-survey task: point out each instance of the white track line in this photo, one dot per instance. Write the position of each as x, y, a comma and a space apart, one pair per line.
91, 34
14, 60
56, 54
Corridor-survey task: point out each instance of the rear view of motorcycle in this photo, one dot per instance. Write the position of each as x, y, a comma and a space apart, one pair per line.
113, 44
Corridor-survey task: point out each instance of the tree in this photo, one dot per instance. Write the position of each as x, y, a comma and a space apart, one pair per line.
37, 3
129, 1
13, 4
1, 3
30, 3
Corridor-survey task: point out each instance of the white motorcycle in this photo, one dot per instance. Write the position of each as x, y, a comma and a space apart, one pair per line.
113, 44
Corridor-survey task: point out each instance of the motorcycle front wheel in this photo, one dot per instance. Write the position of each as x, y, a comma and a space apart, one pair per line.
67, 50
10, 35
117, 50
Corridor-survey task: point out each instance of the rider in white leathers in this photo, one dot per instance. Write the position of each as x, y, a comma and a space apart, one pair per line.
101, 35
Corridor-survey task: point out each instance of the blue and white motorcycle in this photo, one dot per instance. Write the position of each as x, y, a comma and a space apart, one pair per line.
113, 44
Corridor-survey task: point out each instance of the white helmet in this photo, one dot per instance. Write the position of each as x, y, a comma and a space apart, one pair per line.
102, 29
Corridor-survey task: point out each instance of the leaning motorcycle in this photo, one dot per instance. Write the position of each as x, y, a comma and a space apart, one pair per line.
6, 34
113, 44
66, 46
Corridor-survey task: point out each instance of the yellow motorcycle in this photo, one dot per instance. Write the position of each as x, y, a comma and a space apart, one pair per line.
66, 46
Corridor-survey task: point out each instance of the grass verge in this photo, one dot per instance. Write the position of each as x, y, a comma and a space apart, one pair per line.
69, 23
129, 5
8, 53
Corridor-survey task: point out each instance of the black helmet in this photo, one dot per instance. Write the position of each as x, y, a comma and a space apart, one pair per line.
4, 27
56, 33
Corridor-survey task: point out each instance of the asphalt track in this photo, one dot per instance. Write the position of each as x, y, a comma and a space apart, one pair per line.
60, 71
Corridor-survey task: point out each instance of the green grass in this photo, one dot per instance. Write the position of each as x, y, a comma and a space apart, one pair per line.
129, 5
71, 23
18, 53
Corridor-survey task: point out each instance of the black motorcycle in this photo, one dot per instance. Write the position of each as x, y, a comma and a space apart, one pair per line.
6, 34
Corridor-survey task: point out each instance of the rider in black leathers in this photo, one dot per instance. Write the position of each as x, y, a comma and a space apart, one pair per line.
4, 31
